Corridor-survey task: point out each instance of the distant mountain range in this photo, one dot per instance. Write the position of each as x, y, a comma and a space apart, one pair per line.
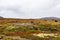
44, 18
50, 18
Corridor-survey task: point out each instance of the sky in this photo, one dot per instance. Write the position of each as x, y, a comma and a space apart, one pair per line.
29, 8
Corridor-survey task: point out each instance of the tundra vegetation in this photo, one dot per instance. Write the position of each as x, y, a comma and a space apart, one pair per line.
33, 30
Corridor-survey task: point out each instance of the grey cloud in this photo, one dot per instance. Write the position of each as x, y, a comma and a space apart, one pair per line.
11, 11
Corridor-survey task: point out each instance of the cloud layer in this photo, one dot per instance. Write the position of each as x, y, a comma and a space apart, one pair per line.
29, 8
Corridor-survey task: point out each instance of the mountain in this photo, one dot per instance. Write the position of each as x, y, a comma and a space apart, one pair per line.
1, 17
50, 18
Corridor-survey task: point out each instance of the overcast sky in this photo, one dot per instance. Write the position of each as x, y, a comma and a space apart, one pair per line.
29, 8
